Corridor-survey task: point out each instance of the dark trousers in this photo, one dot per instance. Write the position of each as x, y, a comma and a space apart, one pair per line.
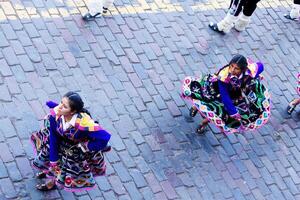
248, 7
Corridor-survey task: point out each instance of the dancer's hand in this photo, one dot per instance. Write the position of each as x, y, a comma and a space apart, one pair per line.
51, 104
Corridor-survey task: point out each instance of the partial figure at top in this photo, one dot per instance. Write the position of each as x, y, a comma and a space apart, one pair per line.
233, 98
97, 8
238, 16
295, 11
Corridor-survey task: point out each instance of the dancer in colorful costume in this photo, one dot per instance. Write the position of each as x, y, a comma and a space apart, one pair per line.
234, 98
293, 104
70, 146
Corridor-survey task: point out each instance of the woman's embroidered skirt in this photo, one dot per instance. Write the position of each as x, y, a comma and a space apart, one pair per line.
253, 105
75, 170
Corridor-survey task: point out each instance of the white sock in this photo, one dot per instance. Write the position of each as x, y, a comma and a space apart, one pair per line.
295, 12
95, 6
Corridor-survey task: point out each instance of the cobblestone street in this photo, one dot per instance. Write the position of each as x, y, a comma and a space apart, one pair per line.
128, 67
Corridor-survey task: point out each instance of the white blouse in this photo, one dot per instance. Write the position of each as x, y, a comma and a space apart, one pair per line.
67, 125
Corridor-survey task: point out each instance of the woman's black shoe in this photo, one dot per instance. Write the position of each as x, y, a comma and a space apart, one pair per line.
88, 16
291, 107
214, 27
288, 16
45, 187
41, 175
201, 129
193, 111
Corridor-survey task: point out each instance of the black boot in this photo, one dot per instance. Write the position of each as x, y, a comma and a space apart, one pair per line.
193, 111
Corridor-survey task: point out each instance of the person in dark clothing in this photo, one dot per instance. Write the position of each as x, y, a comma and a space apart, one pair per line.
238, 16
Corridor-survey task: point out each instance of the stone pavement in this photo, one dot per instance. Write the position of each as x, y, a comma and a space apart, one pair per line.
128, 67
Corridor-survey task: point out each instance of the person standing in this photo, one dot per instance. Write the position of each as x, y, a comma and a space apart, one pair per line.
97, 8
238, 16
295, 11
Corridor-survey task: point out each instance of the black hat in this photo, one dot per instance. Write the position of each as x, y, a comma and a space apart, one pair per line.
240, 60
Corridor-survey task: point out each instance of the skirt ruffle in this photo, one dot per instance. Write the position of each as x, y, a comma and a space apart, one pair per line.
76, 168
254, 107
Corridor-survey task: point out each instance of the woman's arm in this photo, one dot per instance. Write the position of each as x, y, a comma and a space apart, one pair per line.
54, 140
51, 104
226, 100
96, 135
97, 140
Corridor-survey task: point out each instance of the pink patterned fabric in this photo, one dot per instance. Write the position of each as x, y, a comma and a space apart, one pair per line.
298, 86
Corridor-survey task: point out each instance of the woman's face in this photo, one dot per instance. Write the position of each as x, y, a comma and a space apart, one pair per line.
64, 107
235, 70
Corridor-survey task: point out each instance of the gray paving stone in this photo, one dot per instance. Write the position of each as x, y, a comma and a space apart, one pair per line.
10, 56
138, 178
3, 40
276, 193
133, 191
3, 170
287, 194
8, 31
31, 30
13, 171
122, 172
8, 188
127, 159
116, 184
21, 191
103, 183
4, 93
8, 130
15, 146
24, 38
34, 55
147, 193
279, 181
28, 91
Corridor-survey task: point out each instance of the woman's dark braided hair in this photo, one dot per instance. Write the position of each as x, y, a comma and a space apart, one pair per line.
241, 62
76, 103
238, 59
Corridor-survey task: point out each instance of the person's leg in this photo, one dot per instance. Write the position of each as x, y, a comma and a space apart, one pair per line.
193, 111
295, 11
244, 17
47, 185
249, 7
227, 23
236, 7
292, 105
201, 127
95, 8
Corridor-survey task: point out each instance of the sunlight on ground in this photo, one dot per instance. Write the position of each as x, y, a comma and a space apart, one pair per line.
9, 9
